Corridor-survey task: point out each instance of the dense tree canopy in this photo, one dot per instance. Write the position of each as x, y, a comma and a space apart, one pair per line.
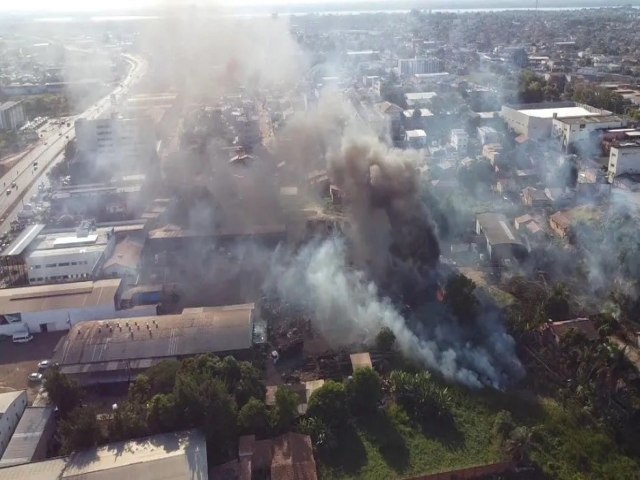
64, 392
364, 391
460, 298
329, 404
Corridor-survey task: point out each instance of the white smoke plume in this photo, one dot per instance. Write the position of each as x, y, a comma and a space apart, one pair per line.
348, 308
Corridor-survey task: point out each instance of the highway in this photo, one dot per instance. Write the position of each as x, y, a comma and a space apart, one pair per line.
21, 182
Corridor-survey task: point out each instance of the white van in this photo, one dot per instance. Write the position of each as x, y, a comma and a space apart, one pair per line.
22, 337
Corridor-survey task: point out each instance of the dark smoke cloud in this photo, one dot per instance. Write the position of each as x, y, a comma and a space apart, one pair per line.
383, 269
391, 230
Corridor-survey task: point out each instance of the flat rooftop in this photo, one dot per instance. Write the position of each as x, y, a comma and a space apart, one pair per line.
497, 229
45, 470
170, 456
58, 297
30, 429
562, 112
6, 399
194, 331
592, 119
420, 95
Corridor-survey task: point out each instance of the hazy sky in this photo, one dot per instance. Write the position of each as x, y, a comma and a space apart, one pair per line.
88, 5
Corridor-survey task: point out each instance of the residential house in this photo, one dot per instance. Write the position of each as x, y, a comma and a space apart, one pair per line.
535, 198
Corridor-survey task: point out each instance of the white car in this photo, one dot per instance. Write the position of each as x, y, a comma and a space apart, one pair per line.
44, 364
35, 377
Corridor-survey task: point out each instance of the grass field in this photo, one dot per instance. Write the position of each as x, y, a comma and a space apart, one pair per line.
391, 446
566, 445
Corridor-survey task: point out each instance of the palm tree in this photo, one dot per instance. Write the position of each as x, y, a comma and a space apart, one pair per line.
519, 443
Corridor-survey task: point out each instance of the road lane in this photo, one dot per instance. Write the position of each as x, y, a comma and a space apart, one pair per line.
20, 183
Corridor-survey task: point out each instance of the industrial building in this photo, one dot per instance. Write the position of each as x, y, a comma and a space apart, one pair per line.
12, 405
104, 202
535, 120
38, 256
501, 241
30, 441
169, 456
47, 308
68, 255
128, 143
115, 351
576, 132
414, 66
12, 115
624, 158
419, 99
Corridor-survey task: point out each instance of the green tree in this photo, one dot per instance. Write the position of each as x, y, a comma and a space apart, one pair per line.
163, 414
80, 430
129, 421
253, 418
64, 392
249, 384
364, 391
323, 437
385, 339
140, 390
419, 396
460, 298
502, 426
162, 376
329, 404
286, 409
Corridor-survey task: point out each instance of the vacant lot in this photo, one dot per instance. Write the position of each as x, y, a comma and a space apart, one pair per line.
19, 360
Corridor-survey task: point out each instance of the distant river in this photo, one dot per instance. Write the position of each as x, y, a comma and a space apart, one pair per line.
138, 18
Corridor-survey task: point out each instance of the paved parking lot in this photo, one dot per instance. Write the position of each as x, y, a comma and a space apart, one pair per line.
19, 360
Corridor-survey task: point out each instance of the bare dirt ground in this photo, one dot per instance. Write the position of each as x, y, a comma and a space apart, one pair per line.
17, 361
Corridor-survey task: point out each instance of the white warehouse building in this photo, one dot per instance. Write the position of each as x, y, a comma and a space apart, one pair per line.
12, 405
69, 256
47, 308
535, 120
576, 131
624, 158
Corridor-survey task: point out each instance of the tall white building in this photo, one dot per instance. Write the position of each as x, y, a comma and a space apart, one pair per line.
460, 140
12, 115
415, 66
124, 140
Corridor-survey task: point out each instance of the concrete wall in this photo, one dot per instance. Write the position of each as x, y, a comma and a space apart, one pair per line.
623, 160
62, 320
575, 133
77, 266
481, 471
10, 419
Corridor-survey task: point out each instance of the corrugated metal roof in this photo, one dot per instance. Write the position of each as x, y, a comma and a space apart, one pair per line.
58, 297
194, 331
34, 423
496, 229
